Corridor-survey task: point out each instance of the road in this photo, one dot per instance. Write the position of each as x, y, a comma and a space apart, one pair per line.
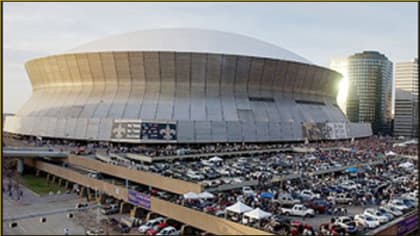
30, 204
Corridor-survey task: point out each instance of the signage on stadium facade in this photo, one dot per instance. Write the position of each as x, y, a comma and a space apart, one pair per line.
136, 130
408, 225
139, 199
326, 130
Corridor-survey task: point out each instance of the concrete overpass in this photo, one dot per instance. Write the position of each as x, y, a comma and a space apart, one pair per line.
21, 153
206, 222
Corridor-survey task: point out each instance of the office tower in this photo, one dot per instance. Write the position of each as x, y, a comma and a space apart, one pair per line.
369, 97
406, 99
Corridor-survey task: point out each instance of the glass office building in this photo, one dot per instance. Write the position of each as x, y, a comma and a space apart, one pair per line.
369, 97
406, 99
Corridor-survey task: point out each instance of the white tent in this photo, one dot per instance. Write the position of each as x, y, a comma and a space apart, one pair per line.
239, 207
390, 153
215, 159
191, 195
257, 214
205, 195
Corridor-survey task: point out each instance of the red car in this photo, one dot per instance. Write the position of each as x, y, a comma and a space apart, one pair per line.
331, 229
156, 229
297, 227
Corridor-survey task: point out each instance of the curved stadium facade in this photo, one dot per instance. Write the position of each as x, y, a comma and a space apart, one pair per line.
185, 86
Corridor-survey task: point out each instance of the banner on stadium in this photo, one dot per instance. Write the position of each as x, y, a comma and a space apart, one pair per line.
136, 130
139, 199
324, 131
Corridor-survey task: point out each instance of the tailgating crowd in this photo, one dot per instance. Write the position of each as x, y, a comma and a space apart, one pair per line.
377, 184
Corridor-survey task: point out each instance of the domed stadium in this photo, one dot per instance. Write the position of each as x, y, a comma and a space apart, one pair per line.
182, 86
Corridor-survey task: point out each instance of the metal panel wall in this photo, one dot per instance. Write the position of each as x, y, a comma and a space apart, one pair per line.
198, 89
182, 86
212, 90
167, 91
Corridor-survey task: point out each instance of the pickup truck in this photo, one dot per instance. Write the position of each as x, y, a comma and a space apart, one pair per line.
109, 210
298, 210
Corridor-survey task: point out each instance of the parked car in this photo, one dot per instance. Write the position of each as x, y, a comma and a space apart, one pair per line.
343, 198
151, 223
170, 230
376, 215
109, 210
287, 199
347, 223
366, 221
319, 205
308, 194
349, 185
298, 210
328, 229
393, 210
123, 228
246, 190
387, 214
157, 228
399, 204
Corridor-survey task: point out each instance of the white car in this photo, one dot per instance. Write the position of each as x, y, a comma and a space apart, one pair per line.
366, 221
347, 223
170, 230
150, 224
248, 191
393, 210
349, 185
298, 210
306, 193
411, 196
376, 215
194, 175
398, 204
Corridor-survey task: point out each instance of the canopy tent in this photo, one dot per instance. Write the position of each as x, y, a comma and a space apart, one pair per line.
216, 159
205, 195
191, 195
267, 195
390, 153
239, 208
257, 214
352, 170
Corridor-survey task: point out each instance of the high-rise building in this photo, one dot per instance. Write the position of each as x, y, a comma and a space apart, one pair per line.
369, 96
406, 99
341, 65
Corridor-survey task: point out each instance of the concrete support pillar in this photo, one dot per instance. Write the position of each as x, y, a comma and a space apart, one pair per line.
20, 166
89, 194
48, 178
37, 173
125, 208
101, 198
83, 192
60, 181
148, 216
53, 179
185, 230
137, 212
66, 184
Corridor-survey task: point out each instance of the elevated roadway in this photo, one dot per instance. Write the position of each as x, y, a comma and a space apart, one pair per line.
209, 223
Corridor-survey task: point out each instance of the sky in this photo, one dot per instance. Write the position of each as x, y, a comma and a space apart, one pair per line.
316, 31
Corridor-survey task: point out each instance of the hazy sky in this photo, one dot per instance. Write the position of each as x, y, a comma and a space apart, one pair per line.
316, 31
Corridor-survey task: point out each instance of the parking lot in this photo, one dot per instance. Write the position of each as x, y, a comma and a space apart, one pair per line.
327, 187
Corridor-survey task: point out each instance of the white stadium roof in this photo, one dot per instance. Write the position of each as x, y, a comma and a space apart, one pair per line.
190, 40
